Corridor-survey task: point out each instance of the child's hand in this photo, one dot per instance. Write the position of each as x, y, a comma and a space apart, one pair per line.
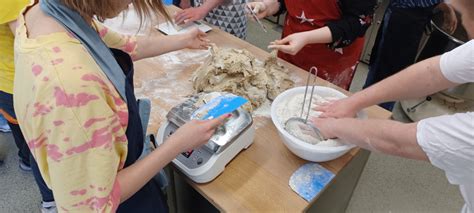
196, 39
189, 15
325, 126
291, 44
196, 133
258, 8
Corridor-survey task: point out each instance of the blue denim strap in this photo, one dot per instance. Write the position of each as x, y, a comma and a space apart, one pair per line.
91, 40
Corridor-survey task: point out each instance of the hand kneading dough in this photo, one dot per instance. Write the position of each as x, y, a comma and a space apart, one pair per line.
238, 72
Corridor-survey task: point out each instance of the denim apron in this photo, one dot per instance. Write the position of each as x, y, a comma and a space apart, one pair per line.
149, 198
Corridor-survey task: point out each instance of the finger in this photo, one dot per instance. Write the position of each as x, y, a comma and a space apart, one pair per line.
204, 46
320, 108
185, 17
251, 6
192, 18
283, 48
205, 42
180, 16
180, 20
258, 8
201, 34
323, 106
325, 115
214, 123
281, 41
318, 121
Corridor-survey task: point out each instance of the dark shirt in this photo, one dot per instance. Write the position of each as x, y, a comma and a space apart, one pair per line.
414, 3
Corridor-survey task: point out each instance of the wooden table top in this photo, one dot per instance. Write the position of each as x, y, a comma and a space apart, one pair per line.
257, 179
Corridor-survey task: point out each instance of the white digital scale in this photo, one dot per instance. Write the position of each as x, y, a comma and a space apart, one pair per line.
206, 162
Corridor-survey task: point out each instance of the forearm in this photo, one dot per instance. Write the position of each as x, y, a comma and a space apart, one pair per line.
134, 177
421, 79
318, 36
158, 45
386, 136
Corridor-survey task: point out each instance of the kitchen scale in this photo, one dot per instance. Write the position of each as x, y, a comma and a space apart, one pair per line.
206, 162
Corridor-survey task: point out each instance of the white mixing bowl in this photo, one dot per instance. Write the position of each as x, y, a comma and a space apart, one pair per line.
310, 152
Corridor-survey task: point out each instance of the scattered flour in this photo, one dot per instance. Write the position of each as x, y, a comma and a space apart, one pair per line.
167, 86
292, 108
264, 110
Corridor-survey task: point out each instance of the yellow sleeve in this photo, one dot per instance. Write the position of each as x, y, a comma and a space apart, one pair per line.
82, 122
116, 40
10, 9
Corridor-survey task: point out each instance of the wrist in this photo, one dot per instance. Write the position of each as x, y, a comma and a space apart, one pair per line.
183, 41
306, 37
206, 8
272, 7
172, 146
356, 102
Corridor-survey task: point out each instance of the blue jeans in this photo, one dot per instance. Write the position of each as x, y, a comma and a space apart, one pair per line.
3, 121
6, 104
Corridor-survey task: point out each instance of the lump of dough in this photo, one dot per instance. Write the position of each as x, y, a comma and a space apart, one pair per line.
278, 79
238, 72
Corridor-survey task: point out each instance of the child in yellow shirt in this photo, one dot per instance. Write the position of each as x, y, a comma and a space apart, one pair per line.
83, 131
8, 14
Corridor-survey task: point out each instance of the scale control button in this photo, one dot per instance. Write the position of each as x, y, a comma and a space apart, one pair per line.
199, 161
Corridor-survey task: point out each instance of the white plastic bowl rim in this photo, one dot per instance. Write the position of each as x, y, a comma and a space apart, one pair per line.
310, 147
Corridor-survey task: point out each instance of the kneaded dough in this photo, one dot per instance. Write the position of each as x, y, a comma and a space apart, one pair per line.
238, 72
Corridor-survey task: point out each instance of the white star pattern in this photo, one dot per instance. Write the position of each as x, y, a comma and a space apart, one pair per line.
362, 20
304, 19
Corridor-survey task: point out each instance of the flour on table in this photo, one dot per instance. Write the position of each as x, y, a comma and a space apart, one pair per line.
237, 71
167, 86
264, 110
292, 108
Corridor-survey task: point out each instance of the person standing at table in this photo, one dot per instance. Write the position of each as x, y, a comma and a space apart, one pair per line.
8, 14
228, 15
398, 38
445, 141
326, 34
75, 102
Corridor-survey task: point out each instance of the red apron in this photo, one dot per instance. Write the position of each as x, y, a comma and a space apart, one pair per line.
336, 66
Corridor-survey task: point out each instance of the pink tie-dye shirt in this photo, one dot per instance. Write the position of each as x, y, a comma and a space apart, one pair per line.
72, 117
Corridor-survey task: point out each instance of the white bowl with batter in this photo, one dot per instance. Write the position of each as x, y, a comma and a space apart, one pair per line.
288, 104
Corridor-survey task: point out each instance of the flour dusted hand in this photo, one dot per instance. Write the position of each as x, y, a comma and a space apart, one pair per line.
292, 108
